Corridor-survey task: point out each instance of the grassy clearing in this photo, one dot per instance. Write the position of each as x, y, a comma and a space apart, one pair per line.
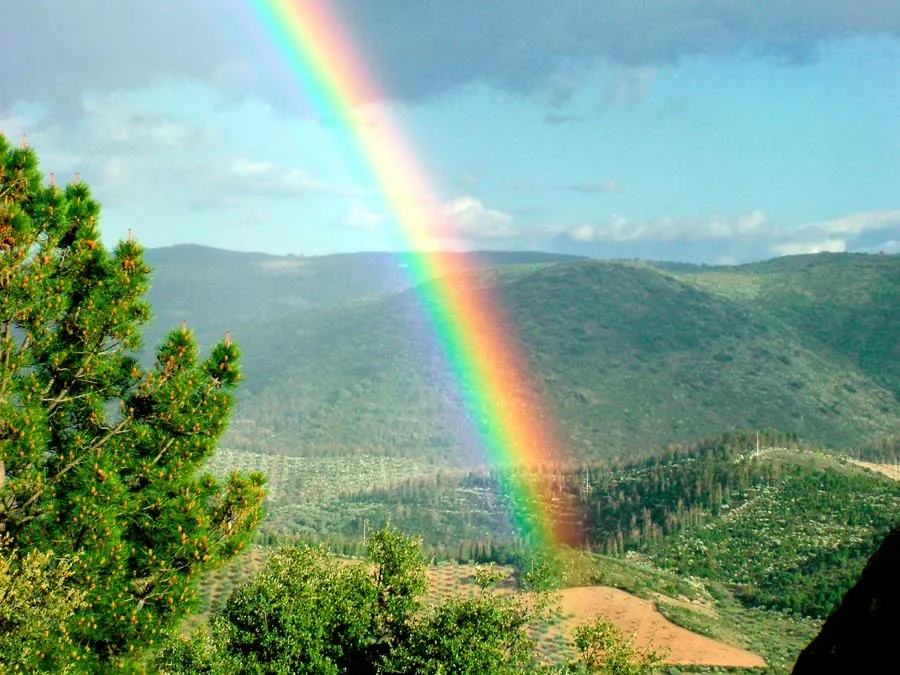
635, 573
777, 637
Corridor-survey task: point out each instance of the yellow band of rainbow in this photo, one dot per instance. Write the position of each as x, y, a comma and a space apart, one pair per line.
470, 324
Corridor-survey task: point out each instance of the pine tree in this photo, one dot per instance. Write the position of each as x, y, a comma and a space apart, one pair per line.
100, 458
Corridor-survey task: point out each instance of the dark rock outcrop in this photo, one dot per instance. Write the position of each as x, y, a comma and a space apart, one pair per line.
861, 635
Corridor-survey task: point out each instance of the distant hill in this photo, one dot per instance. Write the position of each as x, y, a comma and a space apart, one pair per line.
843, 304
630, 357
217, 290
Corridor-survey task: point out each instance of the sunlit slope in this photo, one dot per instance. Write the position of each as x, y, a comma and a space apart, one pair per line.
629, 358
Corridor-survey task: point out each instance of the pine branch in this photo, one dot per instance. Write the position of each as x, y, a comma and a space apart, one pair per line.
75, 462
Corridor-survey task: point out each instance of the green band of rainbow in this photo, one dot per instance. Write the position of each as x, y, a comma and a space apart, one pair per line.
469, 323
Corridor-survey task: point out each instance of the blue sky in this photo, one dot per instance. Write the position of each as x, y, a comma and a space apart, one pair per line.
702, 131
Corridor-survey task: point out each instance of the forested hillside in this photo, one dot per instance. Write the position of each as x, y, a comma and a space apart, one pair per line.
349, 409
848, 303
628, 357
745, 538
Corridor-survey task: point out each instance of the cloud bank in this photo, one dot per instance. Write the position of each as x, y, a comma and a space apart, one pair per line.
55, 51
719, 239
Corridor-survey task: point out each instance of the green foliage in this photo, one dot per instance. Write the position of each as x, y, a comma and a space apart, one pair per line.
310, 612
606, 651
306, 613
488, 576
99, 457
841, 304
399, 579
636, 575
195, 655
796, 542
485, 635
791, 527
632, 506
885, 450
36, 605
308, 496
539, 570
636, 358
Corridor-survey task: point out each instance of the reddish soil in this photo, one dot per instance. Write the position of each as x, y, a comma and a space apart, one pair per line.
636, 616
631, 614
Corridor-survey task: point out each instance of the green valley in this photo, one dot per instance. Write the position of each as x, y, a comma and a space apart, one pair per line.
751, 547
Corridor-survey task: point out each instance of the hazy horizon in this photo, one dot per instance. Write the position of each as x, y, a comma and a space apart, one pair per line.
481, 251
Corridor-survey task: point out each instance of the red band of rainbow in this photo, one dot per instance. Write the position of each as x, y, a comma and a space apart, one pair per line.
470, 325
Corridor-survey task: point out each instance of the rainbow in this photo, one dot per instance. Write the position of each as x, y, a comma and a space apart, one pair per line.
515, 429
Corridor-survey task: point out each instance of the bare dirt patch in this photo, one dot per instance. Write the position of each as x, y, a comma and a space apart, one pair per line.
638, 617
631, 614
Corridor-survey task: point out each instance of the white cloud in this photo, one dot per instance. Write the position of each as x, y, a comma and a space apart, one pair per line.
583, 233
260, 176
14, 126
128, 154
619, 229
565, 80
629, 85
468, 218
864, 230
800, 247
125, 154
242, 166
857, 223
114, 123
748, 236
752, 222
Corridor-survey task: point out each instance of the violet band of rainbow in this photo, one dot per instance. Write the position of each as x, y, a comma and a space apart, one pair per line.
475, 336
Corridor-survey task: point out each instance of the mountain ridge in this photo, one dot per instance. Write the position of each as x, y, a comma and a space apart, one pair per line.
632, 357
